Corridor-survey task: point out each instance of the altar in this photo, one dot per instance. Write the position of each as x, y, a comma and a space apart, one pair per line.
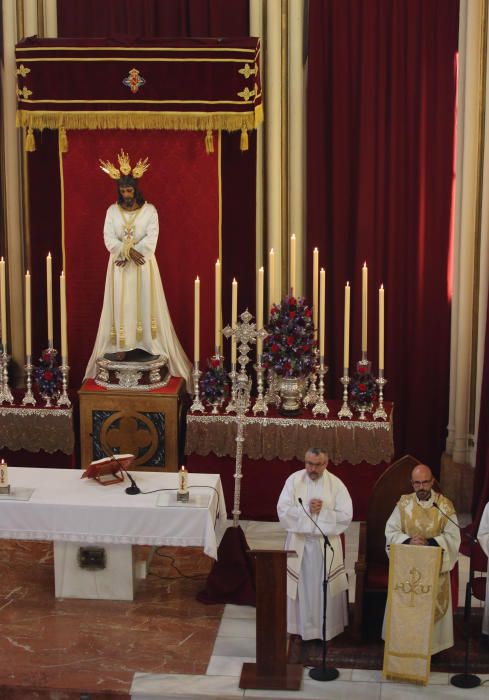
274, 447
96, 528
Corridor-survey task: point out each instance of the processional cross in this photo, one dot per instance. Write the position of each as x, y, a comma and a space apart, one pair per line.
246, 335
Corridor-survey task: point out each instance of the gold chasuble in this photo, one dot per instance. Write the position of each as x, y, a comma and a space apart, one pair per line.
411, 603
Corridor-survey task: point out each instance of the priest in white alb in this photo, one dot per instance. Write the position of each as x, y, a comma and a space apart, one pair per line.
483, 538
313, 500
427, 518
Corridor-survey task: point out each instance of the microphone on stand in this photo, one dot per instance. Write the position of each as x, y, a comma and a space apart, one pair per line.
467, 534
326, 539
322, 673
131, 490
465, 679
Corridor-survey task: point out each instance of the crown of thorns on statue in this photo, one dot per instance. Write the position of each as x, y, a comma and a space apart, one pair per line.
125, 167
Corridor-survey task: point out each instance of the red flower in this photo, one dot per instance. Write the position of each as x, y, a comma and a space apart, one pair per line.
215, 362
274, 347
290, 340
362, 369
308, 312
362, 387
291, 314
305, 348
48, 376
292, 301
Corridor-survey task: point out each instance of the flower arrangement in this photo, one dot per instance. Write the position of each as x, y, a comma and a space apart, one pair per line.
213, 383
47, 374
362, 387
288, 349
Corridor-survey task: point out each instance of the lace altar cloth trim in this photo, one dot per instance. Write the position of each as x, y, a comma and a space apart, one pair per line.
35, 429
267, 438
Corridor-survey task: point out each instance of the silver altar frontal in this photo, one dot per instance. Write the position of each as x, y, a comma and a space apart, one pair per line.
130, 374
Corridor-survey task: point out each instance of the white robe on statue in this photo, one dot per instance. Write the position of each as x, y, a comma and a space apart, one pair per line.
483, 537
449, 540
305, 572
134, 294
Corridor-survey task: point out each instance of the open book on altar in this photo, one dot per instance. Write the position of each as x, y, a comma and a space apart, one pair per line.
109, 470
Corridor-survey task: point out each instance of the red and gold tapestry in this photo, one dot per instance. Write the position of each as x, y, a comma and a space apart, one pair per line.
195, 84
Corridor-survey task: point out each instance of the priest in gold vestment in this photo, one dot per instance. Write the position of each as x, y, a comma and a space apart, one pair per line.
427, 518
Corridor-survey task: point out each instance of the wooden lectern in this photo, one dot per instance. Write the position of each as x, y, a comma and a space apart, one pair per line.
271, 670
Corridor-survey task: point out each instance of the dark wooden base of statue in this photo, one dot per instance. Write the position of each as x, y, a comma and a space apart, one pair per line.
142, 423
271, 671
290, 679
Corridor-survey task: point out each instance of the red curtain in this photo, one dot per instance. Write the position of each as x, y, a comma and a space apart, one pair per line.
152, 18
182, 182
381, 105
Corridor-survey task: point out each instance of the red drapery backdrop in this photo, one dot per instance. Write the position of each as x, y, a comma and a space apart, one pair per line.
381, 101
182, 182
151, 18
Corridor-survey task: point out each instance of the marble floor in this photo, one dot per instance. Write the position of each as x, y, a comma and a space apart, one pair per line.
164, 644
235, 644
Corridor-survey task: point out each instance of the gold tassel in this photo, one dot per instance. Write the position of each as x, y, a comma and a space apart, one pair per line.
209, 142
63, 140
139, 331
243, 145
122, 337
30, 141
154, 328
113, 335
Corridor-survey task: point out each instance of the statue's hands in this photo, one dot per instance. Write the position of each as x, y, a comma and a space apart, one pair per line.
120, 263
136, 257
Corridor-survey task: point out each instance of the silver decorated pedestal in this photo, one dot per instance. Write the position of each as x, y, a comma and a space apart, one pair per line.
132, 375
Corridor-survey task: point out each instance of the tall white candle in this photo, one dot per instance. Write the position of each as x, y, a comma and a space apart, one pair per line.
183, 480
364, 306
234, 319
271, 278
3, 304
346, 333
63, 320
259, 308
3, 474
217, 307
315, 289
196, 319
381, 327
28, 318
292, 273
49, 298
322, 306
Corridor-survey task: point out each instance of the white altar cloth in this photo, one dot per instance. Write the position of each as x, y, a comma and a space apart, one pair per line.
66, 508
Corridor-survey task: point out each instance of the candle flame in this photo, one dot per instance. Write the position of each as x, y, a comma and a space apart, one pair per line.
234, 280
271, 252
49, 255
292, 236
347, 284
27, 273
382, 286
197, 279
365, 264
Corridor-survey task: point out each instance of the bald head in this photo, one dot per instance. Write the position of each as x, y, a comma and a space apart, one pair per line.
422, 481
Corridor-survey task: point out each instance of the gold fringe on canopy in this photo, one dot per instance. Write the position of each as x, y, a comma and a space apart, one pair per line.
63, 140
30, 142
185, 121
209, 142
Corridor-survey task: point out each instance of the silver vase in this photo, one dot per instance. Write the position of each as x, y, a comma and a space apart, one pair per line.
291, 390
